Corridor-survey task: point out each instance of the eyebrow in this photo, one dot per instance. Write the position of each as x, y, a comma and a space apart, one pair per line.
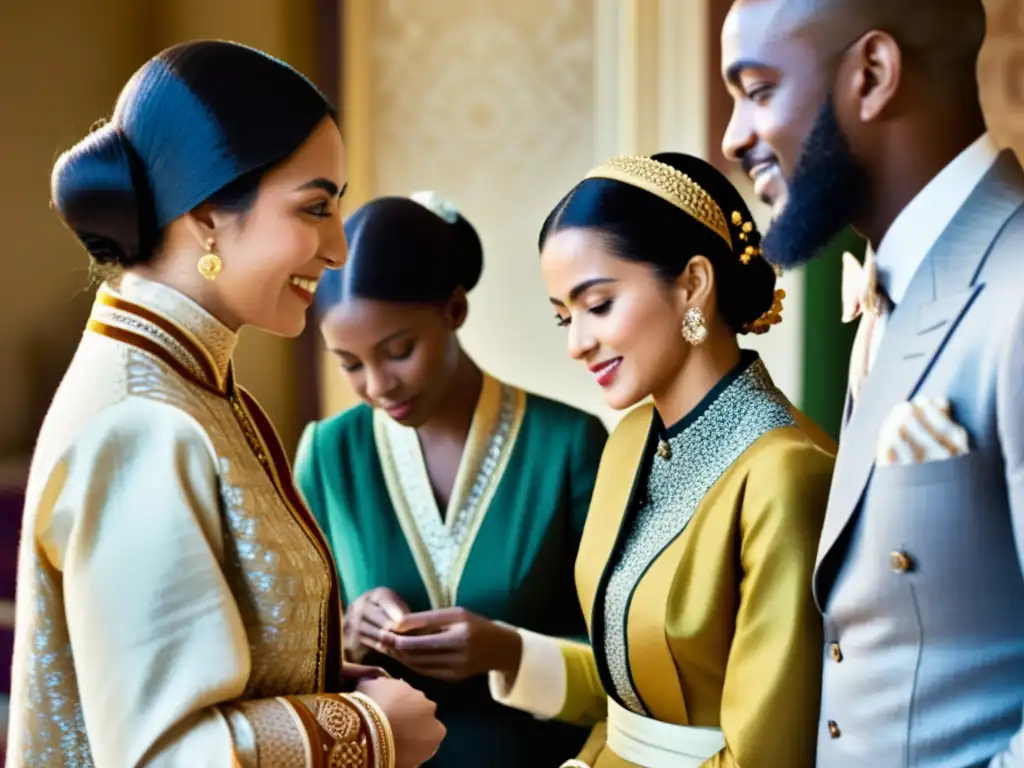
326, 185
737, 68
382, 342
582, 288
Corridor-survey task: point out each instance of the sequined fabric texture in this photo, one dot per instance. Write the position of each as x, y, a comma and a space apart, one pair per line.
278, 579
748, 408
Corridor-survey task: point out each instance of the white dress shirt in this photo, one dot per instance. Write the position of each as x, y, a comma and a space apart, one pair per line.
920, 225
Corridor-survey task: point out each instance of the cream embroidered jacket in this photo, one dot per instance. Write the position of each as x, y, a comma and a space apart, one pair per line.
176, 604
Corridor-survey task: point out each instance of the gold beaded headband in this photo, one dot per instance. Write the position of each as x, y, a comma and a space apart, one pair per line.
671, 185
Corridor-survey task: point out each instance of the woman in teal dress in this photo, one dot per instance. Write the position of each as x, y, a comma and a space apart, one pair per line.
454, 503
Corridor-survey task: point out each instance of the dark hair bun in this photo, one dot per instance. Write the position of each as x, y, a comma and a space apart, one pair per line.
94, 192
194, 119
467, 255
406, 249
745, 290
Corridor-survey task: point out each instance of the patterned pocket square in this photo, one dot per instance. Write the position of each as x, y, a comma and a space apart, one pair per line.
919, 431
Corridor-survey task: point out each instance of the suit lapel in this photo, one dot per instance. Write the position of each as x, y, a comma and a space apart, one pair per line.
941, 291
847, 410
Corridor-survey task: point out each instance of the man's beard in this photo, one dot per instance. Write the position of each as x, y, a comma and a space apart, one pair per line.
827, 191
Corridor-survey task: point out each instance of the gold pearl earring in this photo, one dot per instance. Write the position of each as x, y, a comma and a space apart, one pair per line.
695, 329
210, 265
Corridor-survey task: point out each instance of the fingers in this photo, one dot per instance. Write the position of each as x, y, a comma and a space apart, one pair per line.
373, 615
390, 603
375, 638
366, 625
430, 620
437, 642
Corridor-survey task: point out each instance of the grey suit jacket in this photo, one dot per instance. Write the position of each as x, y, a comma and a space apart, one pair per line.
919, 575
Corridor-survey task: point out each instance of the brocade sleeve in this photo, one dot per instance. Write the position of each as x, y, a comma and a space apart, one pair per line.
130, 522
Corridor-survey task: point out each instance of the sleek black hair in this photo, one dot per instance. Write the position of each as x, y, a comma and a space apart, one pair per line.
200, 122
642, 227
401, 250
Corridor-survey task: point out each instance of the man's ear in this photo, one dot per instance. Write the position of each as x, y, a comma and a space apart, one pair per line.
875, 71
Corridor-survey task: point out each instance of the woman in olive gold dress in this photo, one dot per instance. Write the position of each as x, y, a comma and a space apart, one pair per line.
695, 564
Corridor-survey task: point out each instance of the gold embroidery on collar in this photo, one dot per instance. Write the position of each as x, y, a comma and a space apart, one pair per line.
214, 340
113, 310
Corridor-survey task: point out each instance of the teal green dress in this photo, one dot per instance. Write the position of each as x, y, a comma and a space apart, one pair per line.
505, 547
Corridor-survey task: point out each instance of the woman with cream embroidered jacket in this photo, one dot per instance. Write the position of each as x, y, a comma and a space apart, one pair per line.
452, 501
694, 568
177, 605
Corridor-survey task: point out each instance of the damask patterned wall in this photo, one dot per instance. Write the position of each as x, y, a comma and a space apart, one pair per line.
492, 105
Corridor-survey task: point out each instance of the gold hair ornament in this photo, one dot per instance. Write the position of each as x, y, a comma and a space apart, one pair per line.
671, 185
772, 317
746, 228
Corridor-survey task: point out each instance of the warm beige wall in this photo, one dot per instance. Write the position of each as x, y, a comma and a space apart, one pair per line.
491, 104
63, 64
507, 129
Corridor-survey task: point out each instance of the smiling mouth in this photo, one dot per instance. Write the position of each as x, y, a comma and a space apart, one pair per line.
303, 287
307, 284
605, 372
767, 177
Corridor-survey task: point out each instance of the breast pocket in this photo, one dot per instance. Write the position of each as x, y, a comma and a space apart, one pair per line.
944, 524
914, 480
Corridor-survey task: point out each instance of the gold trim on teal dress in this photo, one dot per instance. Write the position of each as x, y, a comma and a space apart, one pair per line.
504, 549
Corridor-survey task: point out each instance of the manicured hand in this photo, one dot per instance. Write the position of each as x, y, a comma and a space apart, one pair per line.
452, 644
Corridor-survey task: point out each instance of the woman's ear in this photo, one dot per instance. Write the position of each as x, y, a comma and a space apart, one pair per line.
695, 285
206, 222
457, 309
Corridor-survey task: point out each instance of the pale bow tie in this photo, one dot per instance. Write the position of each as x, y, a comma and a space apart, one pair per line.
861, 296
860, 287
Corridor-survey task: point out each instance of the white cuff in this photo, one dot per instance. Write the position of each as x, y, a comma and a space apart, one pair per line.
540, 686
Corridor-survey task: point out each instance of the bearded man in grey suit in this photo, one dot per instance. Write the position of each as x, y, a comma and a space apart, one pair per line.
867, 112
